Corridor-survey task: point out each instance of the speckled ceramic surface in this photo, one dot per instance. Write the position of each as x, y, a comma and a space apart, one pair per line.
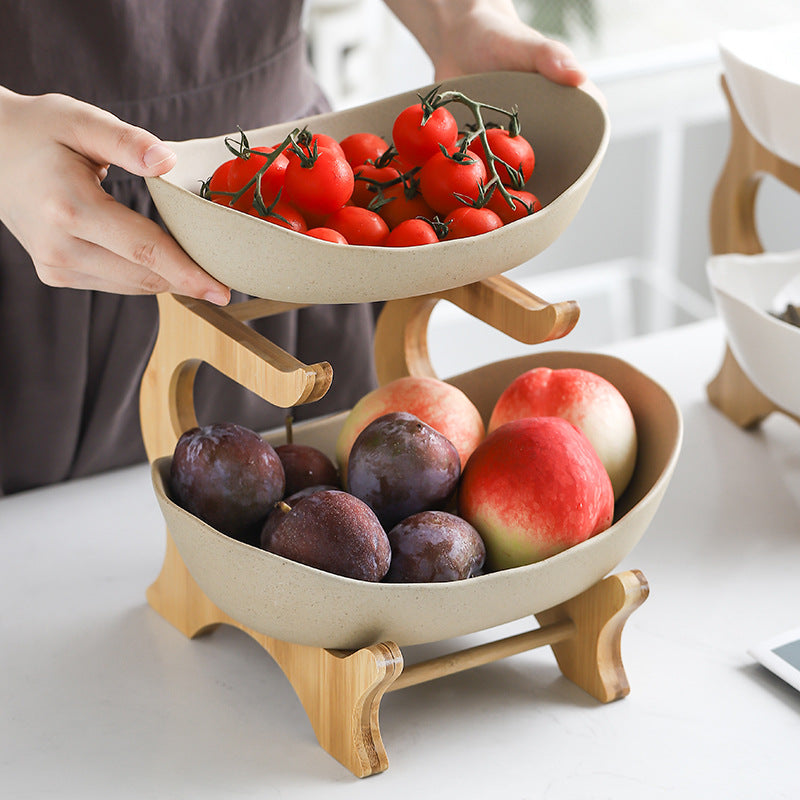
762, 69
746, 289
569, 132
293, 602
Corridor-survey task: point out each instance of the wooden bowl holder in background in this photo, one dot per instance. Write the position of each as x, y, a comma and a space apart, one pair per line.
733, 230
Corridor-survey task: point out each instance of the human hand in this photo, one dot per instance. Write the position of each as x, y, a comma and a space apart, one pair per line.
466, 36
54, 153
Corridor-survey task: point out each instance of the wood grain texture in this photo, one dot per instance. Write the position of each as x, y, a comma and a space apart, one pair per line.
192, 332
592, 657
401, 335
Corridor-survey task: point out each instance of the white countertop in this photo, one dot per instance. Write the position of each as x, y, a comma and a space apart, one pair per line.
101, 698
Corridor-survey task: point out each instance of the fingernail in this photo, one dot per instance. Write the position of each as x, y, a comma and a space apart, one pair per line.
157, 154
217, 297
569, 64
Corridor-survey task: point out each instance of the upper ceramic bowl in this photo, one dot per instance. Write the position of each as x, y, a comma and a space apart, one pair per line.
568, 128
748, 292
292, 602
763, 75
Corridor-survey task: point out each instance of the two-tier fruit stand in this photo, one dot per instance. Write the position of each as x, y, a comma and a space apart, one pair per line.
341, 642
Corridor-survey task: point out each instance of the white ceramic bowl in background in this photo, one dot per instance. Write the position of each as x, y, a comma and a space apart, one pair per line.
568, 128
762, 69
748, 290
292, 602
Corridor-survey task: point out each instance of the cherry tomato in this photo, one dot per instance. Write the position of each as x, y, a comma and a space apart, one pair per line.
365, 174
516, 151
329, 142
327, 235
359, 148
525, 204
411, 232
323, 141
417, 142
218, 182
243, 169
284, 214
359, 225
468, 221
443, 177
403, 202
321, 184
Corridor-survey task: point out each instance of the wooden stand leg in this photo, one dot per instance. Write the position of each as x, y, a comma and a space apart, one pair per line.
340, 691
591, 658
732, 392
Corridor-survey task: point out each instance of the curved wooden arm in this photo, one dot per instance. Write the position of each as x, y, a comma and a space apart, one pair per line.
401, 335
733, 217
193, 331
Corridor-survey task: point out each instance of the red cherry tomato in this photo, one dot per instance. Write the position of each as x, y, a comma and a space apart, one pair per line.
307, 140
218, 182
417, 142
359, 148
366, 175
468, 221
411, 232
321, 184
403, 202
327, 235
525, 204
284, 214
359, 225
516, 151
243, 169
443, 179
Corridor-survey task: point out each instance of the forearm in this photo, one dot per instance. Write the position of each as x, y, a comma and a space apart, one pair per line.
462, 36
441, 25
435, 22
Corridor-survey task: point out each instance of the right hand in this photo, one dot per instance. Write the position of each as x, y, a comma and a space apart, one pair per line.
54, 153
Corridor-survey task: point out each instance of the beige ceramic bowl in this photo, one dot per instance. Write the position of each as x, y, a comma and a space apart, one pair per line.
289, 601
746, 289
567, 127
762, 70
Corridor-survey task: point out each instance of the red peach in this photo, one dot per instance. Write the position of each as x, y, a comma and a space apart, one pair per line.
588, 401
532, 488
437, 403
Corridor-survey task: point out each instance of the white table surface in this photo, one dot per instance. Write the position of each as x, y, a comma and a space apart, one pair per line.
101, 698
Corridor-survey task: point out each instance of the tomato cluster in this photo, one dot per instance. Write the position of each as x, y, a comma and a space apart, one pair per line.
430, 183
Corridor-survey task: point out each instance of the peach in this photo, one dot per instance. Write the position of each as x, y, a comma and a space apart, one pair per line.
532, 488
438, 404
588, 401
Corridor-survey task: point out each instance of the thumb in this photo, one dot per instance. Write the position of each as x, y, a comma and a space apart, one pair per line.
106, 139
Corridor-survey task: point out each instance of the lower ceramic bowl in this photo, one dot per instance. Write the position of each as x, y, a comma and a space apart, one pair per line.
763, 75
289, 601
749, 290
567, 127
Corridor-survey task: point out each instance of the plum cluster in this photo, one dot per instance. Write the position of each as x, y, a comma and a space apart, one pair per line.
391, 523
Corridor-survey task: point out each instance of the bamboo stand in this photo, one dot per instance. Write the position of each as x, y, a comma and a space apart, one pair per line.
733, 230
341, 691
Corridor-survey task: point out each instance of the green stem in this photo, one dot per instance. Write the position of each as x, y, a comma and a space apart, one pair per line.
480, 133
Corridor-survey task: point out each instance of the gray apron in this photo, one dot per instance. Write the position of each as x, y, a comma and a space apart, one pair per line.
71, 360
